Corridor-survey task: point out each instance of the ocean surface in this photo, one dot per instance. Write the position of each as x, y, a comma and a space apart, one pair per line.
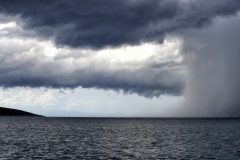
112, 138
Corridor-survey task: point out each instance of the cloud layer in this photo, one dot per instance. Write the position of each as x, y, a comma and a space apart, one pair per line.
97, 24
31, 63
151, 48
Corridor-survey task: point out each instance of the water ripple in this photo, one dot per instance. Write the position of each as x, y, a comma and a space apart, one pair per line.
115, 139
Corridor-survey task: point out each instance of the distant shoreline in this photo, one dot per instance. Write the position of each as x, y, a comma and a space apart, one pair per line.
8, 112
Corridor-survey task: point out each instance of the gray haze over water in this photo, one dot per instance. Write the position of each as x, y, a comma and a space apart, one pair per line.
212, 56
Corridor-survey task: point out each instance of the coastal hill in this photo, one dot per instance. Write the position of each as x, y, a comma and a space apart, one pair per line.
16, 112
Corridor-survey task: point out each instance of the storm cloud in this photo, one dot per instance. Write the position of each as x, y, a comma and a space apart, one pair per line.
31, 64
97, 24
70, 44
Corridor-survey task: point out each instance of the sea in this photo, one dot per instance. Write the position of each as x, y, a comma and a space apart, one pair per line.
119, 138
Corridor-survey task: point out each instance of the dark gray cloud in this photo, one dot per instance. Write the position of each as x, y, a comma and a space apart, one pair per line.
97, 24
26, 65
148, 82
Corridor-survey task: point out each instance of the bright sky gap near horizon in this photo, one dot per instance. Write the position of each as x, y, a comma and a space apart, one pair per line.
133, 58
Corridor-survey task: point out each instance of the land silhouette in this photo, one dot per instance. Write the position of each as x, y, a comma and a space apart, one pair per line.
16, 112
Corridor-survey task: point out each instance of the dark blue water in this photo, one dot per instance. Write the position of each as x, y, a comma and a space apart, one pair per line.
84, 138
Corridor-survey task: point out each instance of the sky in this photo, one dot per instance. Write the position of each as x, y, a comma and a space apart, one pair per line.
132, 58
